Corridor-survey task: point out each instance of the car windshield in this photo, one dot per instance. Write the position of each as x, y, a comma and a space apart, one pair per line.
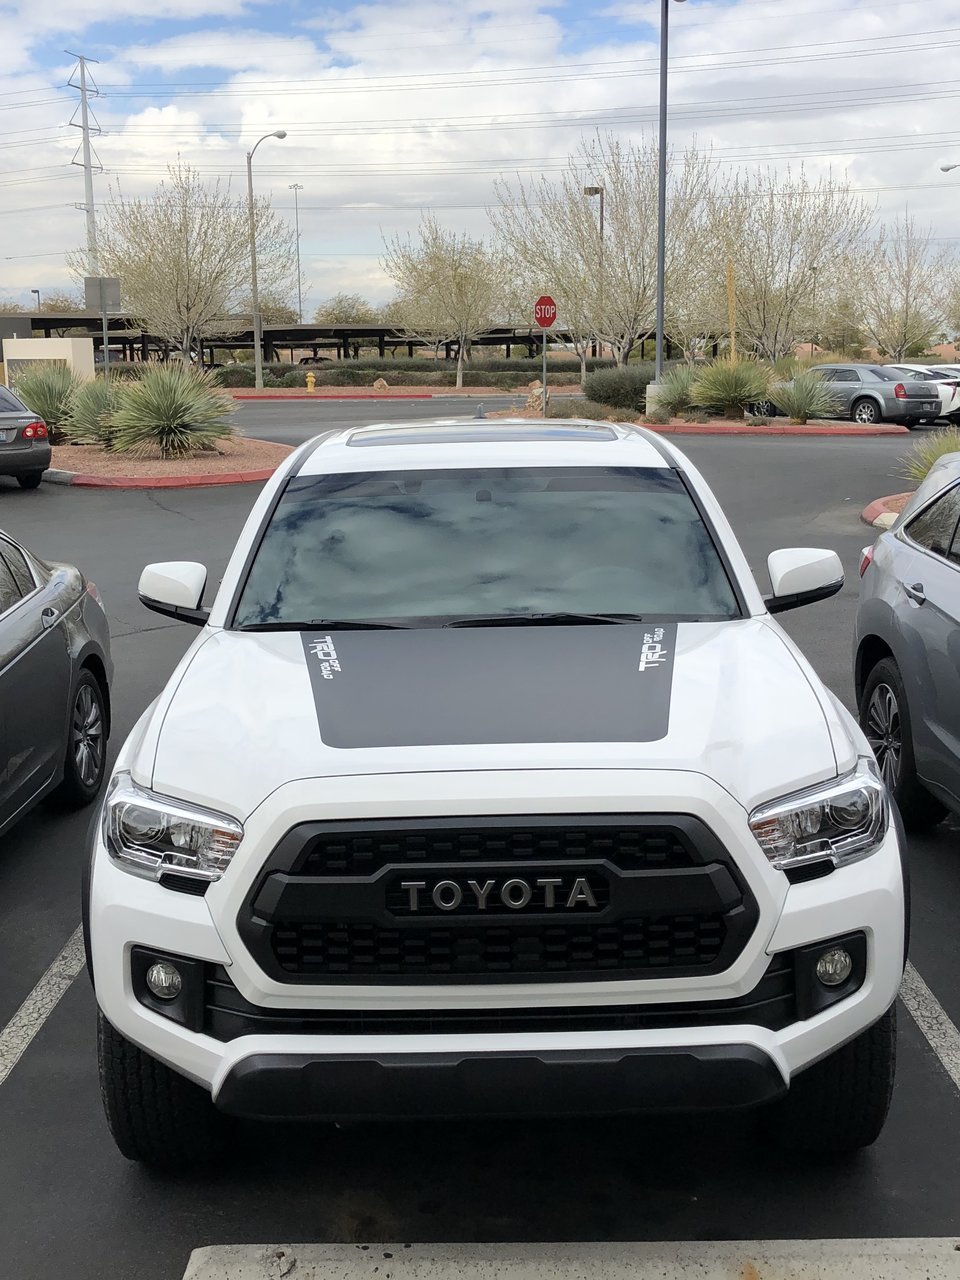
428, 547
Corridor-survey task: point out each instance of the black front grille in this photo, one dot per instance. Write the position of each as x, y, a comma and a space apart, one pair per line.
772, 1003
341, 849
634, 896
685, 942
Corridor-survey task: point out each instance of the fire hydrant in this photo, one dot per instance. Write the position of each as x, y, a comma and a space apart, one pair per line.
311, 381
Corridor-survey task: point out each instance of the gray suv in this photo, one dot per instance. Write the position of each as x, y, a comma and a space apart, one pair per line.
907, 649
870, 393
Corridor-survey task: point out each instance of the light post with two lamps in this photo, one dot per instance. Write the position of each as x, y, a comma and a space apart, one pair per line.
255, 293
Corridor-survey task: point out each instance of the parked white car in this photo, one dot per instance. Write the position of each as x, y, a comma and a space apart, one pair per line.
947, 384
490, 785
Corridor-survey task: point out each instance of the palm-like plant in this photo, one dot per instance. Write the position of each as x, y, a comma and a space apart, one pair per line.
730, 387
48, 388
806, 396
930, 447
172, 411
91, 409
675, 392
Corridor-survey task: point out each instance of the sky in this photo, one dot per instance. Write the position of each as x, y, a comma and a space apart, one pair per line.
391, 110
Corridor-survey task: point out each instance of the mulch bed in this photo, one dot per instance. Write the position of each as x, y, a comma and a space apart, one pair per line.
234, 455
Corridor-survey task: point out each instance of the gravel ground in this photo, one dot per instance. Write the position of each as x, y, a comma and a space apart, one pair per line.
237, 454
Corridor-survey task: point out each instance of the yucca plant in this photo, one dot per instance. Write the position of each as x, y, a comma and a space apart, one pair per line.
172, 411
730, 387
675, 392
806, 396
48, 388
929, 448
93, 405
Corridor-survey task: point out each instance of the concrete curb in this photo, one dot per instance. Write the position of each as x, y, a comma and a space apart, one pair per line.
308, 395
880, 513
734, 429
81, 481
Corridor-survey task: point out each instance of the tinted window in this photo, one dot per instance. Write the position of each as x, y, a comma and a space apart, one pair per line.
935, 528
917, 375
9, 591
9, 403
846, 375
17, 564
431, 545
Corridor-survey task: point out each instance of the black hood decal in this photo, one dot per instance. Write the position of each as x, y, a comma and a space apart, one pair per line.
489, 685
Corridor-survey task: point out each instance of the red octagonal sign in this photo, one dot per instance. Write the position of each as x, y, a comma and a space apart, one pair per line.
545, 311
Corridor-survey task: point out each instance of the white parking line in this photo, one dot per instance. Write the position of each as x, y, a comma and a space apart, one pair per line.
913, 1259
938, 1029
39, 1004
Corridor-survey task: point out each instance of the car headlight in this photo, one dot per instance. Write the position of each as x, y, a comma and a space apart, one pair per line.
838, 821
149, 834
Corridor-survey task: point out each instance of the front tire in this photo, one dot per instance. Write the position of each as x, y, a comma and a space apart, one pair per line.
840, 1104
885, 719
865, 412
156, 1116
86, 756
31, 480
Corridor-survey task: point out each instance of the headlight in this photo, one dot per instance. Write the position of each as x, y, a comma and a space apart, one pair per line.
839, 821
150, 834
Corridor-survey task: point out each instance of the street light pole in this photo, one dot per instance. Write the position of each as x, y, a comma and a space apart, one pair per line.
662, 183
36, 294
296, 188
598, 191
813, 308
255, 292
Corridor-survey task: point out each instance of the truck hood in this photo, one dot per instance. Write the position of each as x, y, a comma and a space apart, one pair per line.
247, 712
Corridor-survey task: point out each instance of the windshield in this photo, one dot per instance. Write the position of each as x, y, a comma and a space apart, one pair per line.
428, 547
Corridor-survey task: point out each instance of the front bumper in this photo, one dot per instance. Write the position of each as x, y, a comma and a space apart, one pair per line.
392, 1072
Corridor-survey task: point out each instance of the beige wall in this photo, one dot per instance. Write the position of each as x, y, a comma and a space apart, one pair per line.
76, 352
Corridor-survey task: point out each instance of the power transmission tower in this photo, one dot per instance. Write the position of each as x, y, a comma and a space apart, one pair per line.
88, 89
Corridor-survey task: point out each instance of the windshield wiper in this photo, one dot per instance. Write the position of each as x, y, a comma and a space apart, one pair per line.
543, 619
328, 624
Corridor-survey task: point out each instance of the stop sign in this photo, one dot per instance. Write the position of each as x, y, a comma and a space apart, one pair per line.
545, 311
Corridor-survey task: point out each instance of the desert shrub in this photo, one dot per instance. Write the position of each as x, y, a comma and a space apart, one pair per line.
270, 379
674, 391
806, 396
91, 408
589, 409
758, 420
47, 387
787, 367
173, 411
657, 417
236, 375
729, 387
295, 378
621, 388
927, 450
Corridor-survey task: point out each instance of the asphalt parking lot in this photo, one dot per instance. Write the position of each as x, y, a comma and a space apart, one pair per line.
73, 1208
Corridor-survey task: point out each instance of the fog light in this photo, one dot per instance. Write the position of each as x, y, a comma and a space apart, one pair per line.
164, 981
833, 968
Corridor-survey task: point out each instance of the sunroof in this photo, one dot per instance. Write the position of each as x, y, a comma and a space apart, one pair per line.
473, 433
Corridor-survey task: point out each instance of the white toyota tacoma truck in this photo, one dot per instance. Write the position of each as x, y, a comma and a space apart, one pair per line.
490, 785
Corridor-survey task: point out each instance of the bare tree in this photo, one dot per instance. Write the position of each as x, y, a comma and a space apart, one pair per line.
450, 288
345, 308
783, 236
902, 280
183, 254
606, 288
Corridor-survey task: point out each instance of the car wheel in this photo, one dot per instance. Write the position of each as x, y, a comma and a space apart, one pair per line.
865, 411
885, 719
30, 480
86, 756
840, 1104
155, 1116
763, 409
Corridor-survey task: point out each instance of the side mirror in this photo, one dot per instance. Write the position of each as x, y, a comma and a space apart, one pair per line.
175, 589
802, 575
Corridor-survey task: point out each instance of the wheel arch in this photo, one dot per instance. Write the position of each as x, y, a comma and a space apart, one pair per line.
93, 662
867, 395
871, 650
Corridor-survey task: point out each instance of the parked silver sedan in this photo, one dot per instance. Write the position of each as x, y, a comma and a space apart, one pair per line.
870, 393
907, 649
55, 672
24, 441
